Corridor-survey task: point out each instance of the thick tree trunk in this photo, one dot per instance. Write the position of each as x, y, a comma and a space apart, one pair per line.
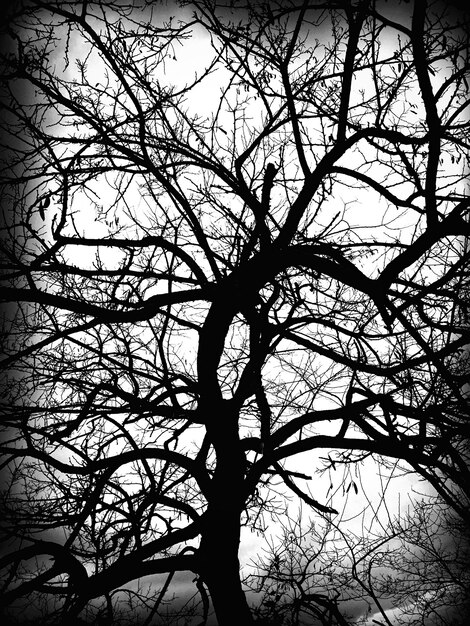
220, 540
221, 572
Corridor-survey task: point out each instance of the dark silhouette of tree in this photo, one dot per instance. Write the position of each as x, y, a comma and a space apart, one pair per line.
232, 235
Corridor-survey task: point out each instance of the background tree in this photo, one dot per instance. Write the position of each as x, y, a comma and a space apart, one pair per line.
411, 570
428, 573
233, 235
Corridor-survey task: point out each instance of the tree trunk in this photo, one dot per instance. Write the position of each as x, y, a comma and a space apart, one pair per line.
220, 540
221, 571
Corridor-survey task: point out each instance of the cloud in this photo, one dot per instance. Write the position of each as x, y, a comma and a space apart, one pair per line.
413, 613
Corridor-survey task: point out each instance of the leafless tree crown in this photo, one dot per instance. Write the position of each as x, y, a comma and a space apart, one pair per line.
232, 235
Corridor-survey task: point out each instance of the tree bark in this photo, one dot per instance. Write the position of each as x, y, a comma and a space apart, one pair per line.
220, 569
220, 540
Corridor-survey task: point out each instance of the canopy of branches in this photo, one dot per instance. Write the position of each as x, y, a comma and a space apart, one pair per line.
233, 234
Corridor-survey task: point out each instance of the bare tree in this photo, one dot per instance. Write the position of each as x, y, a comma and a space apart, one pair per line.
413, 570
231, 236
428, 571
